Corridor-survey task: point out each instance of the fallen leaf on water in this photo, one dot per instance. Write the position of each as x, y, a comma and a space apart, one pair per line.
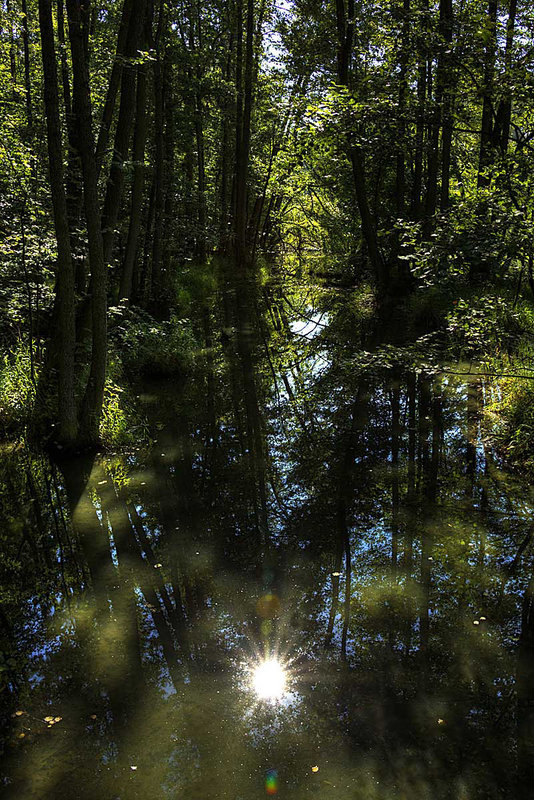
49, 719
336, 574
315, 769
93, 716
133, 768
18, 713
482, 619
440, 721
157, 566
476, 622
58, 719
22, 735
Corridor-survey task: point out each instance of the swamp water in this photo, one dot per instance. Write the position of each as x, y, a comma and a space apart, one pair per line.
348, 526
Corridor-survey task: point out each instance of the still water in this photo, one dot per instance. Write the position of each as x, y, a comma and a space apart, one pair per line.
315, 581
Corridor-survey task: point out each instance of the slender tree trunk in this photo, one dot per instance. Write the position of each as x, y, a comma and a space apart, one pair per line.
122, 132
169, 151
200, 246
446, 21
225, 155
421, 112
12, 53
501, 132
244, 89
201, 184
159, 156
74, 176
26, 47
400, 181
94, 393
486, 128
345, 28
114, 83
136, 204
65, 341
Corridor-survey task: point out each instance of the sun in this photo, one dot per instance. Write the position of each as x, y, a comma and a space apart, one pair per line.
269, 680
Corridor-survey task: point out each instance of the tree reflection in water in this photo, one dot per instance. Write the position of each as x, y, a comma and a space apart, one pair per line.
363, 499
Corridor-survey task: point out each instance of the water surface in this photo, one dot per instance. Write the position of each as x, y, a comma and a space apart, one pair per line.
341, 516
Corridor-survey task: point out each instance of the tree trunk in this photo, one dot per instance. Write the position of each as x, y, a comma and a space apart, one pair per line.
122, 133
113, 86
345, 28
27, 83
446, 20
65, 276
94, 393
486, 128
74, 177
400, 181
140, 134
159, 157
244, 103
421, 109
501, 133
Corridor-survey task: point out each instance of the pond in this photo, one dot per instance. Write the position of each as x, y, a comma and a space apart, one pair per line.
315, 581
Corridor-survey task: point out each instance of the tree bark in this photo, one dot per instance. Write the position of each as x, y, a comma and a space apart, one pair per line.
139, 143
122, 132
421, 113
65, 276
446, 12
159, 156
94, 393
501, 133
27, 82
113, 86
400, 181
486, 128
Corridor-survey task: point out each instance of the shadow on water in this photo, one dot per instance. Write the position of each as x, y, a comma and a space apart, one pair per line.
354, 524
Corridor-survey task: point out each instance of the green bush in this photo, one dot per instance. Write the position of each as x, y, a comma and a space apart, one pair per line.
510, 420
17, 390
478, 323
152, 349
121, 424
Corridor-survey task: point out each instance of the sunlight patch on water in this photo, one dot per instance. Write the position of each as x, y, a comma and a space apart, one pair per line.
269, 680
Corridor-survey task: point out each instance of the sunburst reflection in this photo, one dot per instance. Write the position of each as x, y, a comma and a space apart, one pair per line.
269, 680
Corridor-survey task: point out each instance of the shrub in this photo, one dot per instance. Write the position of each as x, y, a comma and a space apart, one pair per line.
510, 419
17, 390
152, 349
121, 425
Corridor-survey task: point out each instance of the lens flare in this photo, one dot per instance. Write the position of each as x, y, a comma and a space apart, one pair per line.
271, 782
269, 680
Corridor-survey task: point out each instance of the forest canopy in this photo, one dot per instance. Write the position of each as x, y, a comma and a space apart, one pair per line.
149, 147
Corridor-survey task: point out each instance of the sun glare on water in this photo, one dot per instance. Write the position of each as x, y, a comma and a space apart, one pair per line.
269, 680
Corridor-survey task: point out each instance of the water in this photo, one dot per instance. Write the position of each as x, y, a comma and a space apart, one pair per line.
350, 524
